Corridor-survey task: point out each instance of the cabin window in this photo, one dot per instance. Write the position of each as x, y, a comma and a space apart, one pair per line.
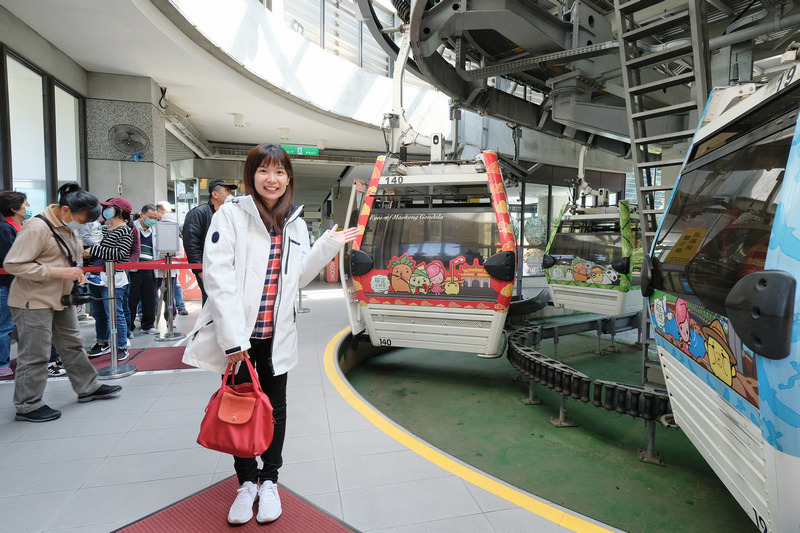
430, 235
718, 224
598, 241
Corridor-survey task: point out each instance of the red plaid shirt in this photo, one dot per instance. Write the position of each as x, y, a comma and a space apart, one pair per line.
263, 329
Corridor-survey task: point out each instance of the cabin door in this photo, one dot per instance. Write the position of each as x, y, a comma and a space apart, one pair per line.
357, 194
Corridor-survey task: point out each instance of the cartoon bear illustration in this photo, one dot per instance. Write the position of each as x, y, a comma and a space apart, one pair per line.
580, 271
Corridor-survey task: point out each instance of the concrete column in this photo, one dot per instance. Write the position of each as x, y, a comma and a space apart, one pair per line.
135, 101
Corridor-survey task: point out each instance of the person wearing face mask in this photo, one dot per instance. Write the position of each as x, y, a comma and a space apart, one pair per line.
15, 208
44, 262
115, 246
143, 282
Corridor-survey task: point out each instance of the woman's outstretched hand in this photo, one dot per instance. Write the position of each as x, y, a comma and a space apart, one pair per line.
348, 235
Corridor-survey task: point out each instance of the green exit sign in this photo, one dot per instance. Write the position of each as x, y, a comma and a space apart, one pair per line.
300, 150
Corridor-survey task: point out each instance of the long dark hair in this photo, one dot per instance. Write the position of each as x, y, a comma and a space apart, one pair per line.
266, 154
79, 201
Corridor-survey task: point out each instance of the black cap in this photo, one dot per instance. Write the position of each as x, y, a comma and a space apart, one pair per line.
224, 183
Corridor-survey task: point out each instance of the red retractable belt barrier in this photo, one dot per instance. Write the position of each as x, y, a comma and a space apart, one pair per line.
157, 264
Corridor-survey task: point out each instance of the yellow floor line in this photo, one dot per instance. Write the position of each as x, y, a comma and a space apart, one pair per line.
420, 447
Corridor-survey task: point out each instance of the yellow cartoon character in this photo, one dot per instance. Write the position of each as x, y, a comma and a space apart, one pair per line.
597, 274
719, 354
452, 286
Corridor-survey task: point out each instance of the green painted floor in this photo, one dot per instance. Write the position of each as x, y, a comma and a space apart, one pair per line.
472, 408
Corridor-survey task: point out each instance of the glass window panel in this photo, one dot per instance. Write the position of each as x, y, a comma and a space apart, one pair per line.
68, 153
26, 117
341, 29
718, 226
303, 16
459, 241
597, 241
534, 230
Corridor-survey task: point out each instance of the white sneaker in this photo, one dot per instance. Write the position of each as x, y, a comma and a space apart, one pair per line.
152, 331
242, 509
269, 503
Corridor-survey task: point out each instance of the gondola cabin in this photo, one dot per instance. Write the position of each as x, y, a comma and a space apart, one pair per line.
435, 263
721, 280
593, 261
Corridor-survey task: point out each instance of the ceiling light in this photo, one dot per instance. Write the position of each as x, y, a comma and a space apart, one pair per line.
238, 120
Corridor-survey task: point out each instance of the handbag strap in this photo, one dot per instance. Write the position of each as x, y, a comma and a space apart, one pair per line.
253, 376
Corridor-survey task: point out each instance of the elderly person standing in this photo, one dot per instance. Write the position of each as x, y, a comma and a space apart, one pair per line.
143, 282
44, 260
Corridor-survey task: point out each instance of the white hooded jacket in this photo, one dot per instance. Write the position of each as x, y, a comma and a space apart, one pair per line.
237, 251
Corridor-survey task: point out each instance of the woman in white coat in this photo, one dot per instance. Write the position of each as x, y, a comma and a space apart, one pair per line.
256, 258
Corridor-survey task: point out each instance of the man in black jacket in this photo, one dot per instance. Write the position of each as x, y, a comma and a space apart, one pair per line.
197, 221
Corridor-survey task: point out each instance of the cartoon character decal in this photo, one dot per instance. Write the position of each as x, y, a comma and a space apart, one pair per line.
610, 277
435, 271
597, 274
586, 272
467, 281
453, 285
419, 282
705, 343
581, 271
682, 319
400, 275
718, 353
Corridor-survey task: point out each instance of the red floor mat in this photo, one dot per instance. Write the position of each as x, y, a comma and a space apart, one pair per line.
207, 511
168, 358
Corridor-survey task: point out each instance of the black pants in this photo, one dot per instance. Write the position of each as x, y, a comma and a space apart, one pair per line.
275, 388
198, 275
143, 288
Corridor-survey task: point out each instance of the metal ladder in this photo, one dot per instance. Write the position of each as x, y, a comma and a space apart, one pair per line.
649, 66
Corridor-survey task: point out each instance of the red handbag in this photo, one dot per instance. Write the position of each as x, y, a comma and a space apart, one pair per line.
238, 418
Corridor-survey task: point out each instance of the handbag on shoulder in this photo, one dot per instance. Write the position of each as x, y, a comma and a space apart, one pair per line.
238, 418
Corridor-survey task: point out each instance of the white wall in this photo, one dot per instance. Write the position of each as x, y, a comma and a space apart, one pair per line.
142, 183
22, 39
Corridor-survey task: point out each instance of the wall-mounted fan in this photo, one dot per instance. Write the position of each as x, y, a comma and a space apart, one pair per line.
129, 140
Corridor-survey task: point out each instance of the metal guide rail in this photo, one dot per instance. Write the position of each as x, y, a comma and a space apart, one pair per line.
649, 403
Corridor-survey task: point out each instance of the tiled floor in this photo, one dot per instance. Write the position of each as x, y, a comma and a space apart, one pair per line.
105, 464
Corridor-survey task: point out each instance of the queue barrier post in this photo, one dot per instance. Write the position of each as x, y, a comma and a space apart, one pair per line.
115, 371
171, 334
300, 308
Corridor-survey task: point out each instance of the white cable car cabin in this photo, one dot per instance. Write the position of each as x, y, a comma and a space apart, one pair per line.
721, 278
435, 263
594, 258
